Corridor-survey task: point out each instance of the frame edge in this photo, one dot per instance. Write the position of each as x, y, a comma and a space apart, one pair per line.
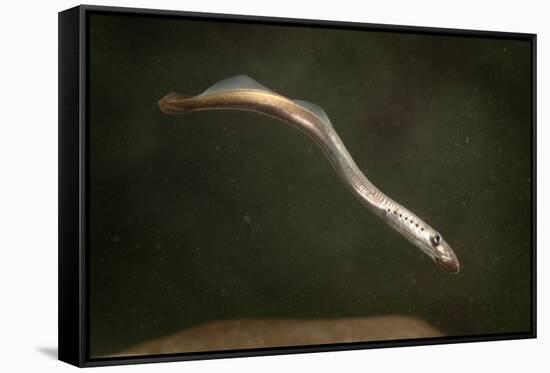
69, 220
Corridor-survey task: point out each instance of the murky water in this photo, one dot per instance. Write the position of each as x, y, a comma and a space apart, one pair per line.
228, 215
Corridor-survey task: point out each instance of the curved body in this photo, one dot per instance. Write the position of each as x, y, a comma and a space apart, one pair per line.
242, 93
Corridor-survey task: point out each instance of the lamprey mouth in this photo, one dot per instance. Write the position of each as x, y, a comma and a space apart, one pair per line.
450, 264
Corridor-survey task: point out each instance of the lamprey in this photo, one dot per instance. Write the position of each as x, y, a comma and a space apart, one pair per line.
243, 93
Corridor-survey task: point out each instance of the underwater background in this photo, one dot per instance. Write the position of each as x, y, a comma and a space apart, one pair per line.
224, 215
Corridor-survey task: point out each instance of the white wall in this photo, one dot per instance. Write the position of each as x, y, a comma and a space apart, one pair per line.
28, 182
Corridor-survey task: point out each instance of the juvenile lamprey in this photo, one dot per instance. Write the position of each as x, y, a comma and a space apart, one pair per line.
243, 93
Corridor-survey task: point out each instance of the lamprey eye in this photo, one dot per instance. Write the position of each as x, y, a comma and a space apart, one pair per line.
436, 239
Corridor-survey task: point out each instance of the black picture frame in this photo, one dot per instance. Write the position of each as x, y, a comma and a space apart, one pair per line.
74, 201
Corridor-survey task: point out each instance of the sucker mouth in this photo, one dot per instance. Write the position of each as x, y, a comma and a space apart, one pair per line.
450, 265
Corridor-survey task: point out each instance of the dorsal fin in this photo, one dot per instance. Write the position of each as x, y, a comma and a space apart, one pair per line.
246, 82
316, 109
236, 82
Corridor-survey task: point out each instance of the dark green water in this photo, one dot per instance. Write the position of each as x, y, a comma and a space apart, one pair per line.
225, 215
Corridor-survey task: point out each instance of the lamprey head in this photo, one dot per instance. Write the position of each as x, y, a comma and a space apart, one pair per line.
442, 253
427, 239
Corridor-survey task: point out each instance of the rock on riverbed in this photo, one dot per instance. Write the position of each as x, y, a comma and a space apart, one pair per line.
258, 333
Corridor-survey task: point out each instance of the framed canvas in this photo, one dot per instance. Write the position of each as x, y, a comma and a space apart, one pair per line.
236, 186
